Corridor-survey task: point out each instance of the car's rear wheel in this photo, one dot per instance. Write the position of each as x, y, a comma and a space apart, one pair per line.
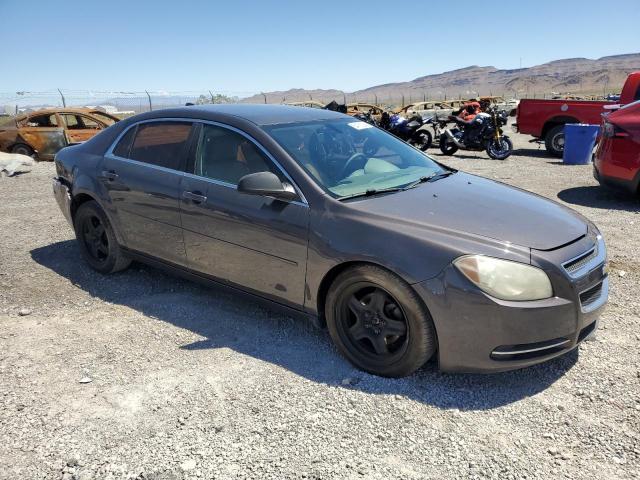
22, 149
378, 322
554, 141
97, 240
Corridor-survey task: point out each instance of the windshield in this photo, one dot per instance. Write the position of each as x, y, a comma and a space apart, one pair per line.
349, 157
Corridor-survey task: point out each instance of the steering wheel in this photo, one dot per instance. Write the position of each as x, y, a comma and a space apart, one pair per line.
348, 167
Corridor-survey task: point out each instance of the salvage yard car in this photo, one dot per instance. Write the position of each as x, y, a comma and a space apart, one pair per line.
617, 159
403, 258
376, 111
42, 133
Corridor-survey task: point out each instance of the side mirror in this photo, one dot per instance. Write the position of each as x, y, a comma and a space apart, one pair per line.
266, 184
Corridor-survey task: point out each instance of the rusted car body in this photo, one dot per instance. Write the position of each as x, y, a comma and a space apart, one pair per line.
306, 103
426, 109
357, 107
44, 132
510, 106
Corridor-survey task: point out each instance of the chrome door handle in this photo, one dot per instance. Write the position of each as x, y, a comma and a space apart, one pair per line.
195, 197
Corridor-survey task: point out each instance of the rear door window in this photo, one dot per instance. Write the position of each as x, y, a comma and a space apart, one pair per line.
163, 144
124, 145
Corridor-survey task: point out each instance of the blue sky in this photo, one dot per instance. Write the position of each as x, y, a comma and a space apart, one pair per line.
248, 46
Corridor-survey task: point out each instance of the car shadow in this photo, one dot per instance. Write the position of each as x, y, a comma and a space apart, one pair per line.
225, 319
596, 196
532, 152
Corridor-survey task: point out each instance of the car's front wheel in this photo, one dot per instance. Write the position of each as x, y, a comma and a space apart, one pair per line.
97, 241
378, 322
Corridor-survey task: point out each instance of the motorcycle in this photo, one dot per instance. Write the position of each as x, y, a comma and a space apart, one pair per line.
438, 125
484, 132
366, 117
413, 131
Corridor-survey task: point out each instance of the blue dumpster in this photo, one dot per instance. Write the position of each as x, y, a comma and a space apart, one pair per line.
579, 140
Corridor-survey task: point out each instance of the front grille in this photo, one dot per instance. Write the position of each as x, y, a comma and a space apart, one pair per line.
590, 296
576, 264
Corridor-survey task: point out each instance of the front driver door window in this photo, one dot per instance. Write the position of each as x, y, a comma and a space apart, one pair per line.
255, 242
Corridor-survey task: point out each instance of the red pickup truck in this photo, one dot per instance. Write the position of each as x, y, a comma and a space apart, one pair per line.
545, 119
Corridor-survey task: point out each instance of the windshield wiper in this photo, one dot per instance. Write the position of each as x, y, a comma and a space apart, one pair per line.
431, 178
371, 192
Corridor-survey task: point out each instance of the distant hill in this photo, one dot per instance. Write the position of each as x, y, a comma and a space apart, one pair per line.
572, 75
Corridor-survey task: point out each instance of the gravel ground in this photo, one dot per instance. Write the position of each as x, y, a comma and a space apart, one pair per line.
143, 375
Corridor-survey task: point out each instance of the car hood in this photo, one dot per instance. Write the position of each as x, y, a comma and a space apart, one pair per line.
478, 206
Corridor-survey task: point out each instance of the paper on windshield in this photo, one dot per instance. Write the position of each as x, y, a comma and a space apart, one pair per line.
359, 125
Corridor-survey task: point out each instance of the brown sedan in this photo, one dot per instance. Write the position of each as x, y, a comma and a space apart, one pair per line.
42, 133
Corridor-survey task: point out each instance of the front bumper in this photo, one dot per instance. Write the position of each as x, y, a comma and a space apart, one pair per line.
63, 197
479, 333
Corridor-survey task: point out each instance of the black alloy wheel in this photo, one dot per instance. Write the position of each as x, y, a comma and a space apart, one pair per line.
378, 322
97, 240
373, 323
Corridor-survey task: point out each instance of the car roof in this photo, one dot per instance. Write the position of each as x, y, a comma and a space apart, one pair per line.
45, 111
261, 114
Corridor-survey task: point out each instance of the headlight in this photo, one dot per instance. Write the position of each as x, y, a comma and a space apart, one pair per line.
505, 279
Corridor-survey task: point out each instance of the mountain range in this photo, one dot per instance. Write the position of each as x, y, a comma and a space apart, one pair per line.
572, 75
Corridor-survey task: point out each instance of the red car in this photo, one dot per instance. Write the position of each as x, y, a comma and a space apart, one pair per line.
617, 160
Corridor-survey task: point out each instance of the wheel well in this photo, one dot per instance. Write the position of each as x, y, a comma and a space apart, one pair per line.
555, 121
20, 142
77, 201
328, 279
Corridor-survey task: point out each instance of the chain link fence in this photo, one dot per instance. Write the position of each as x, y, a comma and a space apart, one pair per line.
126, 103
120, 103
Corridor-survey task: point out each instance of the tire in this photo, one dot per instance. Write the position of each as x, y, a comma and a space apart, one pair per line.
97, 240
422, 140
502, 153
378, 322
554, 141
447, 146
23, 149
